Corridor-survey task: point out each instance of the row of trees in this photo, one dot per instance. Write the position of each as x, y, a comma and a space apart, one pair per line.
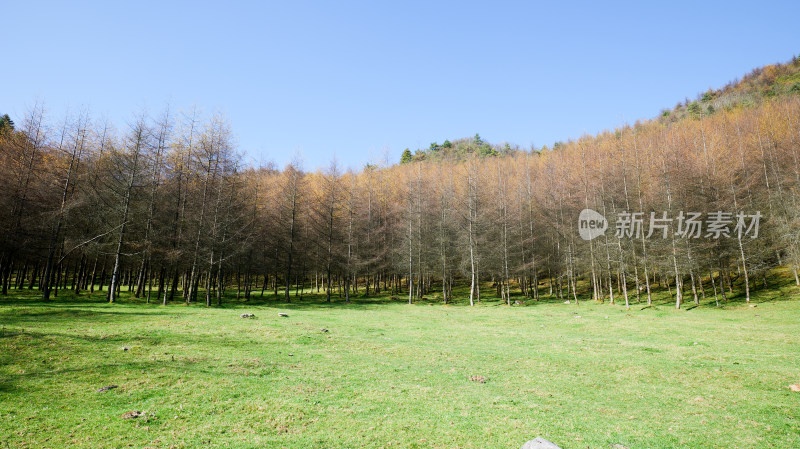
90, 206
167, 209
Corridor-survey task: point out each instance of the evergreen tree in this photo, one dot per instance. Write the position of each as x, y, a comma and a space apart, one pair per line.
6, 124
406, 157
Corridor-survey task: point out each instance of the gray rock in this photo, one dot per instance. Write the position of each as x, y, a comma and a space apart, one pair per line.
539, 443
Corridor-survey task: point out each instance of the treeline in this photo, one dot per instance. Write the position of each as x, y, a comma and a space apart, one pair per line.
89, 207
458, 150
168, 210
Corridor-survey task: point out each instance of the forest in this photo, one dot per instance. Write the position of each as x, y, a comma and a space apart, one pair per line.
167, 208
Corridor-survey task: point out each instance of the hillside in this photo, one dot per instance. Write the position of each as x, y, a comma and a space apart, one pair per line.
761, 84
170, 201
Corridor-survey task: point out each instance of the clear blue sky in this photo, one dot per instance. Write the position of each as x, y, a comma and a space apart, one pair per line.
354, 79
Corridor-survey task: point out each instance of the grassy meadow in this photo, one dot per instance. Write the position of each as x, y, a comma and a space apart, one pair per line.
381, 373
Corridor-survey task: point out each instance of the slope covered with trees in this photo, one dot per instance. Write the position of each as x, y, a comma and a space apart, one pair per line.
167, 210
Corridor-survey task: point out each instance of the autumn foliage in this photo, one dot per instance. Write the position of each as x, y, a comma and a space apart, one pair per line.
169, 210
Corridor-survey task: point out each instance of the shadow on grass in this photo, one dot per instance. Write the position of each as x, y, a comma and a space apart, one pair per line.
116, 372
58, 310
150, 349
780, 286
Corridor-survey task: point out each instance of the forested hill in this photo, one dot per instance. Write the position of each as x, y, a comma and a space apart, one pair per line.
762, 83
168, 208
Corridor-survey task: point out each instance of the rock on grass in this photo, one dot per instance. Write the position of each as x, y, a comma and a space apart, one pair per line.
540, 443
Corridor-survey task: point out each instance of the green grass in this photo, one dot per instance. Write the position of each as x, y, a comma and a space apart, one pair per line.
389, 374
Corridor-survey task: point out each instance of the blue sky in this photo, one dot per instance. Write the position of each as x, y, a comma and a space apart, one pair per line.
357, 79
